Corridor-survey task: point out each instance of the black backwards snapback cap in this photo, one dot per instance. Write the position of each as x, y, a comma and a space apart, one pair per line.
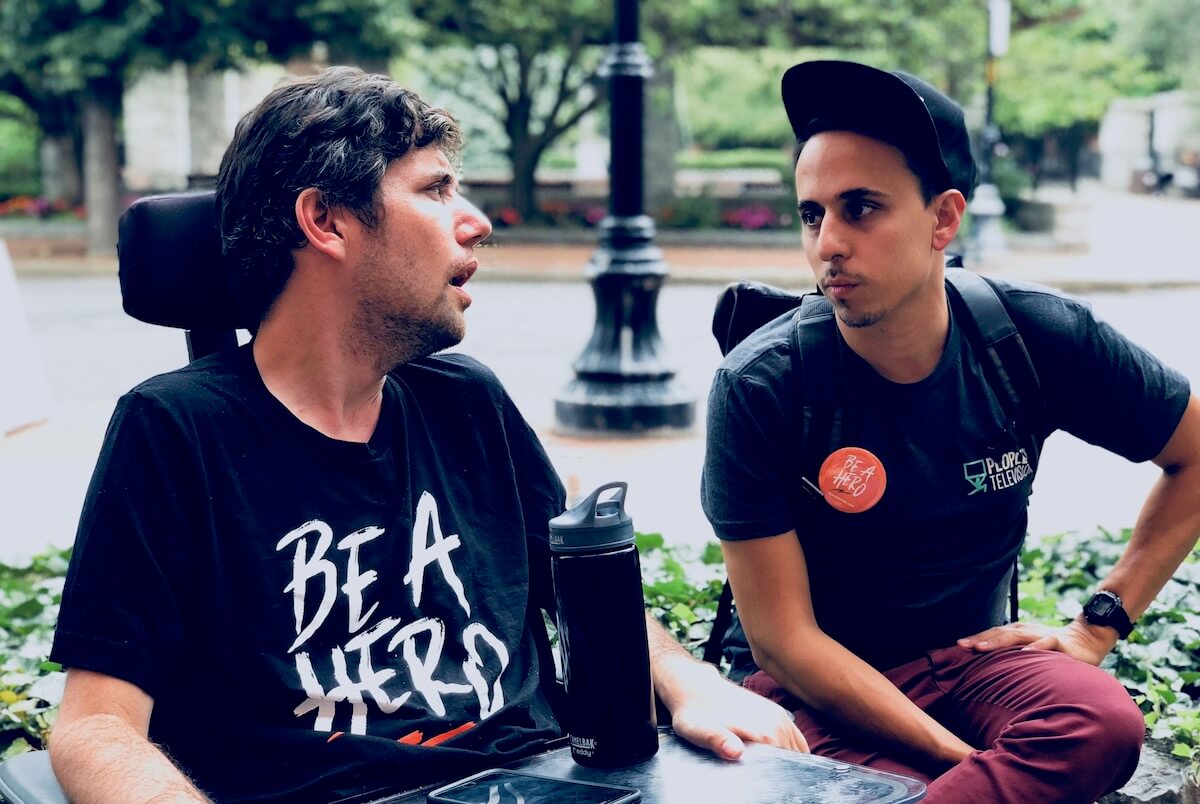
895, 107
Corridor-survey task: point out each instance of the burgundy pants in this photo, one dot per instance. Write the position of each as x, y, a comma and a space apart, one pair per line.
1046, 727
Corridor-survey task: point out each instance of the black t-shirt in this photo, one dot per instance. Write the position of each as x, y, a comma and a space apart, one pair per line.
927, 564
316, 618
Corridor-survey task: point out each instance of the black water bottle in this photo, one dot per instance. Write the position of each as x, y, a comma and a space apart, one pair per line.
602, 632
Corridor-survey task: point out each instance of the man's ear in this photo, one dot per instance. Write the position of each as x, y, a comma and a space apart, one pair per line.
321, 224
949, 208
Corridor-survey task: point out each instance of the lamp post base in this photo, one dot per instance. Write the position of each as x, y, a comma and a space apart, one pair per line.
622, 384
596, 407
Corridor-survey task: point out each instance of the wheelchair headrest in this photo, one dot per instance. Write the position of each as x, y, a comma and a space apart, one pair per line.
170, 264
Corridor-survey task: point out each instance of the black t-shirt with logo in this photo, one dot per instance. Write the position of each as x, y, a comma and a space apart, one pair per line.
316, 618
927, 563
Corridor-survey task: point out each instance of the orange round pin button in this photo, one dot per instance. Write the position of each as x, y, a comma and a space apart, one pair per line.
852, 479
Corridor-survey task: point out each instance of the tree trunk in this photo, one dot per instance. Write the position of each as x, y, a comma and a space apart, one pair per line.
206, 124
1072, 144
61, 148
101, 172
1037, 159
524, 184
61, 179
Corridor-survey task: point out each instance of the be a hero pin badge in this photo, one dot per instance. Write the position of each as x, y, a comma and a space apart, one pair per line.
852, 479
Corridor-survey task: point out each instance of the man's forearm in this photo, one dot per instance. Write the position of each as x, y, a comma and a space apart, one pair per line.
833, 681
1165, 533
101, 759
677, 674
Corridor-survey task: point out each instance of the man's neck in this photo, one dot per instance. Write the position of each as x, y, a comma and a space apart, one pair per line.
305, 367
906, 346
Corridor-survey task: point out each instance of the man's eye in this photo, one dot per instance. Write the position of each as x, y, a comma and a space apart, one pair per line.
809, 218
858, 210
443, 190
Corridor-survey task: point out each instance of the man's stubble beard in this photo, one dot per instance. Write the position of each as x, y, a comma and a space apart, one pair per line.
394, 339
862, 322
858, 320
384, 330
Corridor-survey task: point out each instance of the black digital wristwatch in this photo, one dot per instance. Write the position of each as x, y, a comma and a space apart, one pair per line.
1105, 608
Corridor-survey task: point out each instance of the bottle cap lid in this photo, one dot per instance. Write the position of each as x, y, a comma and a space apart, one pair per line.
593, 524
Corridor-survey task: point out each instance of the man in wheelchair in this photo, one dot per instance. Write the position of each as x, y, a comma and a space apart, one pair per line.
315, 566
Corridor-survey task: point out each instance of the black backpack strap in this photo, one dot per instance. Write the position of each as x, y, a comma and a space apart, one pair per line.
817, 380
714, 646
1007, 365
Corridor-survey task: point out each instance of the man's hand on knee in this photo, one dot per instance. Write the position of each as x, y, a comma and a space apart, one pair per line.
1077, 639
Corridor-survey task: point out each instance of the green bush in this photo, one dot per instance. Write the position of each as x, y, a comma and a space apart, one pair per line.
18, 150
1159, 664
681, 588
747, 212
690, 212
30, 686
1012, 180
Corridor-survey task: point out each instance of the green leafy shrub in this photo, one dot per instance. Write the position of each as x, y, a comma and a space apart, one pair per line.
690, 212
1160, 662
681, 589
744, 212
30, 686
18, 149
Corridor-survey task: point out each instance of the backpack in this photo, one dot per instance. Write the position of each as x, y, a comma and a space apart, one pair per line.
744, 307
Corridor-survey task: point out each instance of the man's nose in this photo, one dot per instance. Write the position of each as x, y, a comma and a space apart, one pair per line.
472, 225
833, 240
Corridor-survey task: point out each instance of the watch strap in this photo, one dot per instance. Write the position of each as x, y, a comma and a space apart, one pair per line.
1116, 617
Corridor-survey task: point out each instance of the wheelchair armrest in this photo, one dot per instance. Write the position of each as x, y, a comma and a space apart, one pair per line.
28, 779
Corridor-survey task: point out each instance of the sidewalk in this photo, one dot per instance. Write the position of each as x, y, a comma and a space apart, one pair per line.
1073, 270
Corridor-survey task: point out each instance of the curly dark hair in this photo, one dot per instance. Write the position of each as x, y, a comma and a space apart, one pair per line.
336, 131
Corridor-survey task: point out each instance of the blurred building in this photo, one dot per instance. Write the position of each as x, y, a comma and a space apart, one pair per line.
178, 123
1152, 143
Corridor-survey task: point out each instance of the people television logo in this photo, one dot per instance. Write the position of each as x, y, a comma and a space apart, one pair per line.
996, 474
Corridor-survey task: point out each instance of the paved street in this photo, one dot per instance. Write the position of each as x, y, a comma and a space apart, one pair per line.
528, 332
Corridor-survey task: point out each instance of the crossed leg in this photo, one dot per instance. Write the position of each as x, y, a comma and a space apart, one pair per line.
1050, 728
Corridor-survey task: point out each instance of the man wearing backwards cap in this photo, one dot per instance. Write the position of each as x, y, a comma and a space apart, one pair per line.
875, 610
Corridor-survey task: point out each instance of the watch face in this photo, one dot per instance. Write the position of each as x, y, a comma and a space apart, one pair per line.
1101, 607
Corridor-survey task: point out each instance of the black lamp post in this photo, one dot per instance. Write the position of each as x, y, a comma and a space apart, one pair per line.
622, 385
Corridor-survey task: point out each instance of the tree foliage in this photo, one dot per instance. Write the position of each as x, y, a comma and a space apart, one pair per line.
531, 58
69, 60
529, 64
1065, 73
1166, 33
